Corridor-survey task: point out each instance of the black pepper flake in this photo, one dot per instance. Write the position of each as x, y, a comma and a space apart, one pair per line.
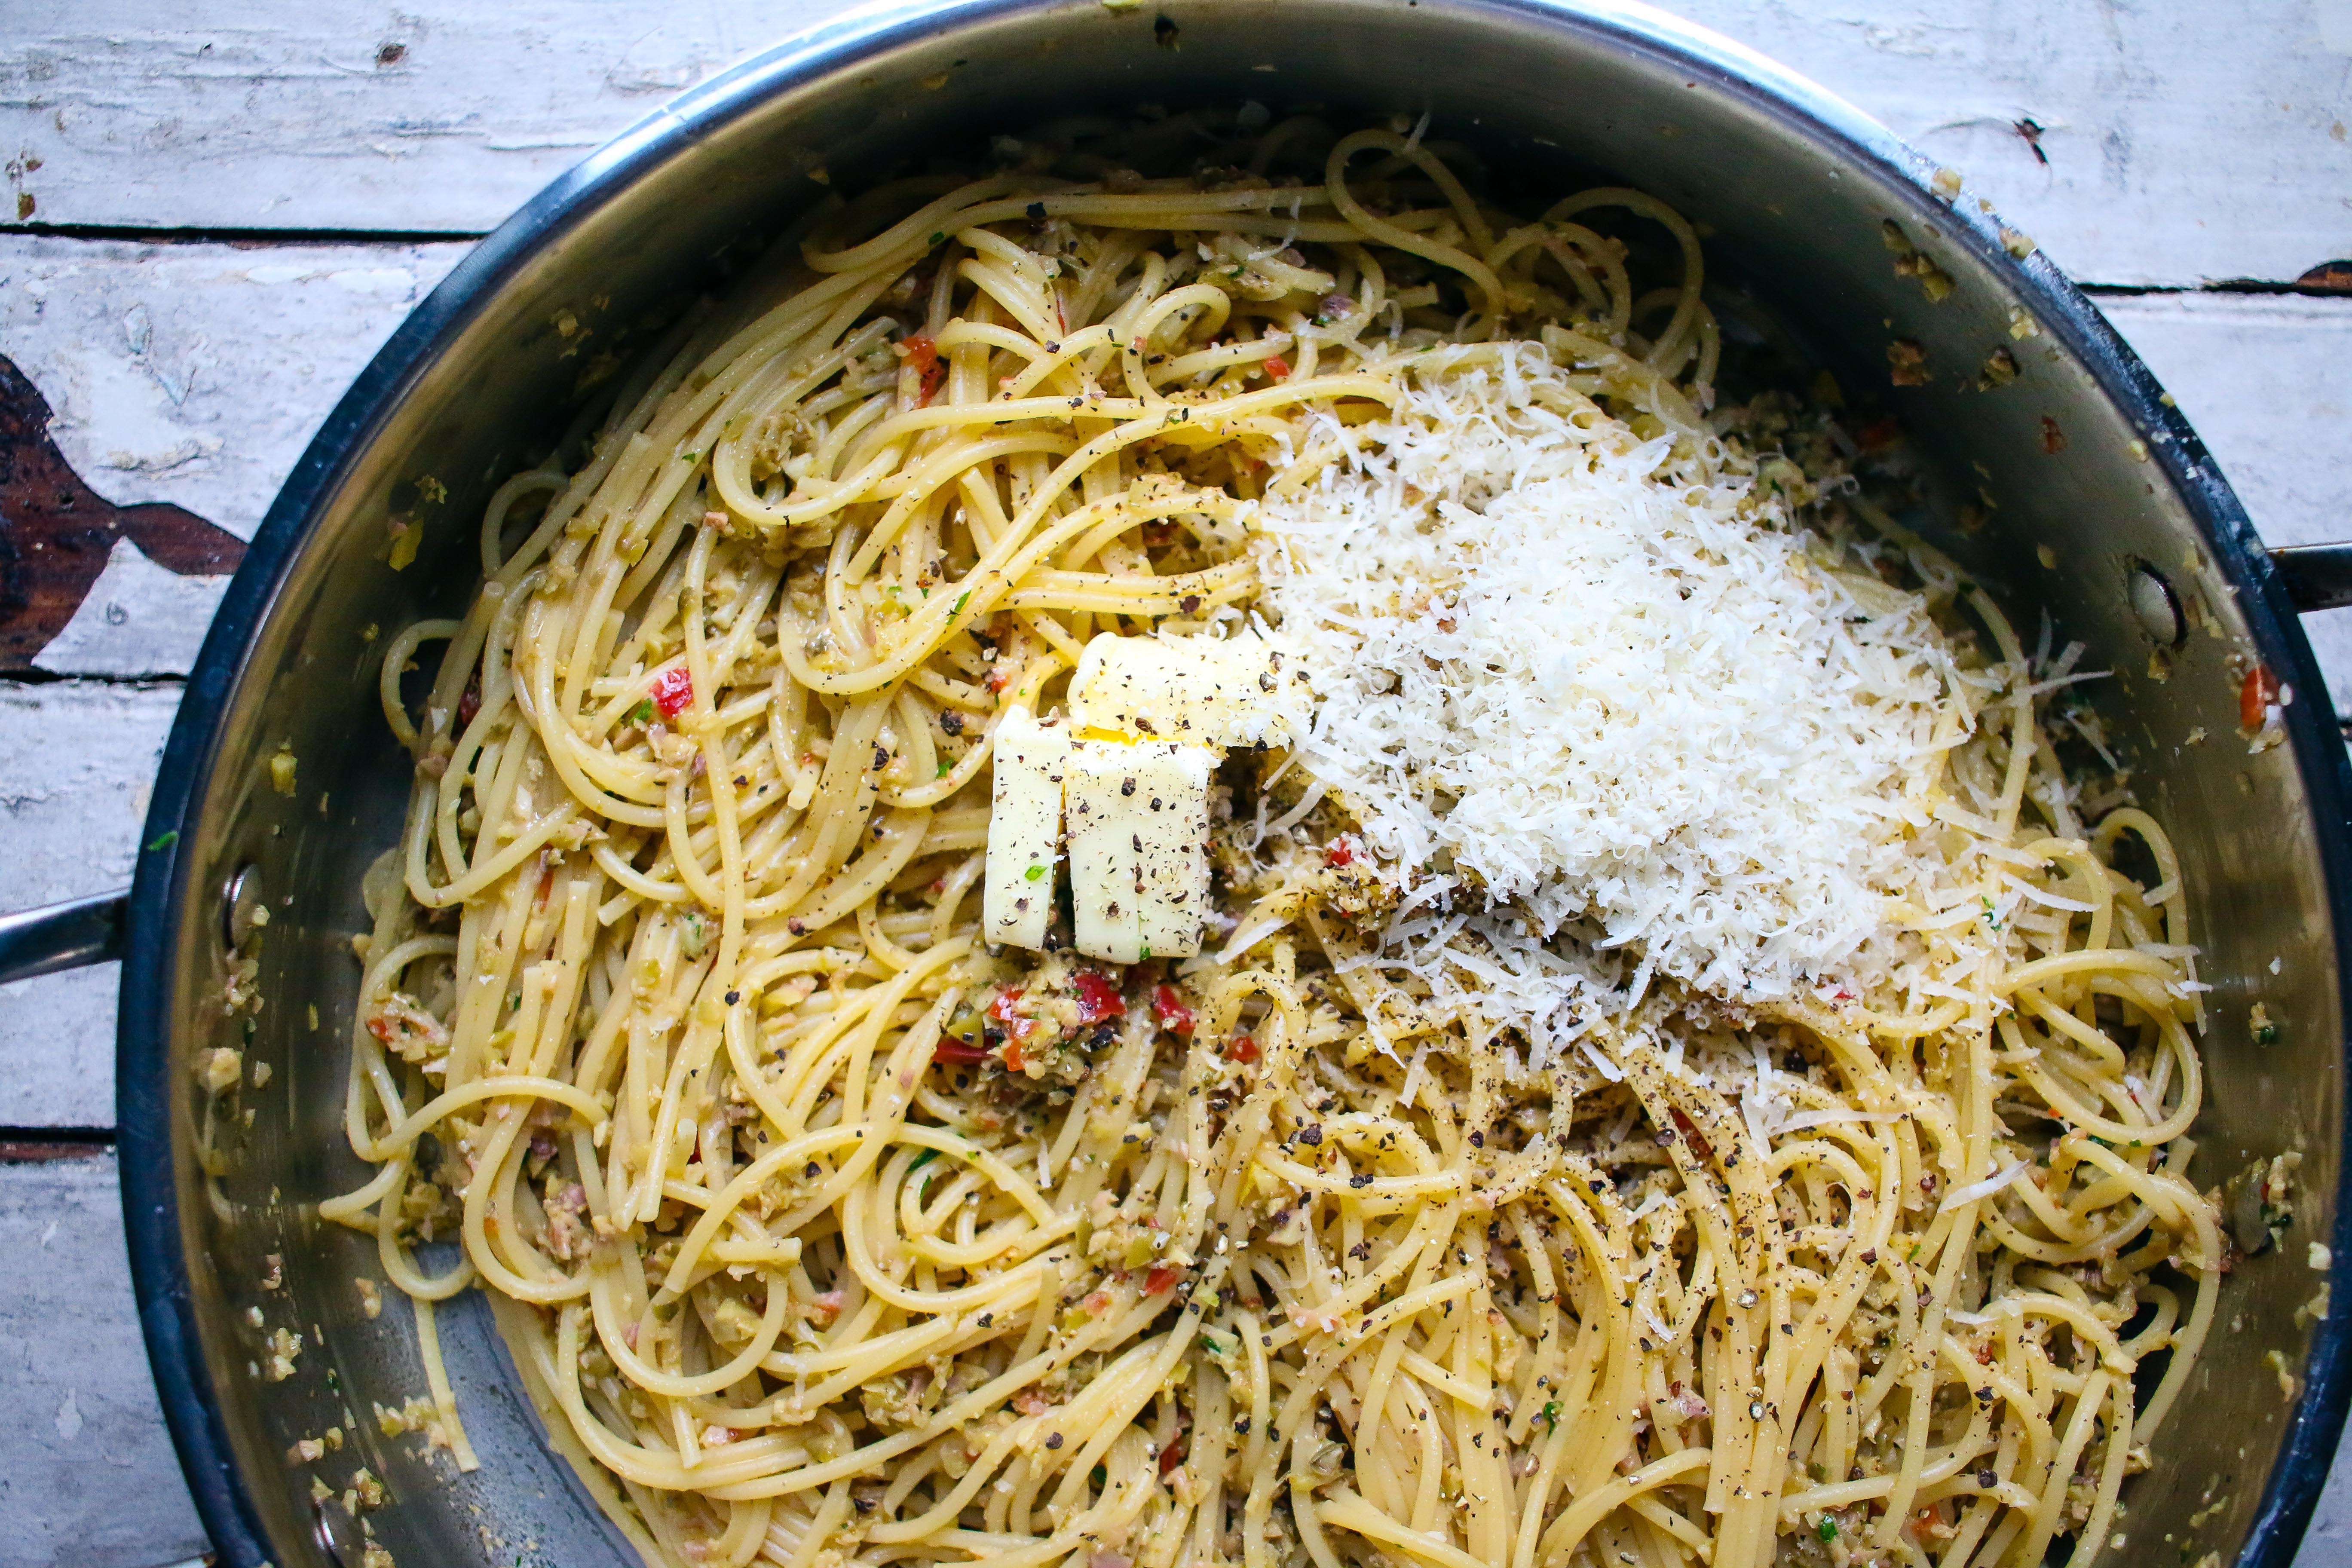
953, 723
1312, 1133
1054, 1441
1359, 1181
733, 997
1126, 787
812, 1169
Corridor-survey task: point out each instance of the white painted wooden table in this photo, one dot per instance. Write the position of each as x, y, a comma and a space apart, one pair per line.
216, 222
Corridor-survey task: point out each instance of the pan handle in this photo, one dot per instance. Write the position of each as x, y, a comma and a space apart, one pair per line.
2317, 577
62, 936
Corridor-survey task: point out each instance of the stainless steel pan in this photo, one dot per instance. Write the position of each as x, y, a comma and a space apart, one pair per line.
2156, 568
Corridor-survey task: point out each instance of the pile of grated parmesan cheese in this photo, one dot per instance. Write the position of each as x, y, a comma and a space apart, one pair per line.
1609, 684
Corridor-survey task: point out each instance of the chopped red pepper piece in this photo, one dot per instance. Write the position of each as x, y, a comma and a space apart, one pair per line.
1340, 853
2255, 695
924, 355
471, 703
1243, 1049
1173, 1455
951, 1049
1013, 1057
1877, 436
1015, 1025
1168, 1006
1163, 1276
1277, 367
673, 689
1098, 996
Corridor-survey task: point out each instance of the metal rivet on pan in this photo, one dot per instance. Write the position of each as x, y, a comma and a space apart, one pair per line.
339, 1533
2156, 605
239, 904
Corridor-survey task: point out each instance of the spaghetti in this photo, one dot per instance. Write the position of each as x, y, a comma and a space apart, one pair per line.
830, 1236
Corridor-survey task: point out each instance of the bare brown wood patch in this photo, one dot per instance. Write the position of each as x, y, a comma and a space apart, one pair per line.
55, 532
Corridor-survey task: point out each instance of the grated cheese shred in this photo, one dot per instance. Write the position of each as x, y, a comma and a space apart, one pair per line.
1586, 681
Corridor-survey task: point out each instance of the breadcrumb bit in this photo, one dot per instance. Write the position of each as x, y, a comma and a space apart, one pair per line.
219, 1070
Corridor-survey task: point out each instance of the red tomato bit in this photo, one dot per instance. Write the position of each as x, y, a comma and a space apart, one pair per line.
1243, 1049
2256, 696
673, 689
1340, 853
924, 355
1098, 996
1168, 1006
1173, 1455
951, 1049
1163, 1276
1277, 367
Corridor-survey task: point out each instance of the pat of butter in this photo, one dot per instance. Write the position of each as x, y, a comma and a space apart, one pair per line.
1229, 692
1139, 823
1024, 829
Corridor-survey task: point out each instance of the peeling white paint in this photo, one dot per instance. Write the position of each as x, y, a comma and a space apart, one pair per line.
196, 373
138, 619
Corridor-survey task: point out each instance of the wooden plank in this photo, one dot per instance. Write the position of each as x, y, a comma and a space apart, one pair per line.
75, 757
87, 1473
76, 760
267, 114
195, 375
2267, 382
2168, 154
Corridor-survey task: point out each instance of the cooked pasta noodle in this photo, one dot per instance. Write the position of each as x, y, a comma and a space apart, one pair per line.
832, 1236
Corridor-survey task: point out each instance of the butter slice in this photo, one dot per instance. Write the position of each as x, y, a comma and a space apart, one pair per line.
1024, 829
1211, 692
1138, 822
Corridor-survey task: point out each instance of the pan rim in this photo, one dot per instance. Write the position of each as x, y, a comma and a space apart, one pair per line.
162, 894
